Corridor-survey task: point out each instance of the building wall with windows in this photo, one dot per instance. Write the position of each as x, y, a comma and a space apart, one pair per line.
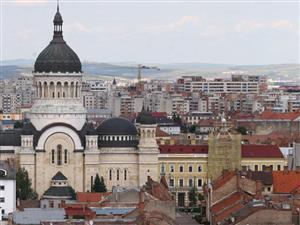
7, 189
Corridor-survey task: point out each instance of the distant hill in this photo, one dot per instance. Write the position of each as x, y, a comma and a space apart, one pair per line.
289, 72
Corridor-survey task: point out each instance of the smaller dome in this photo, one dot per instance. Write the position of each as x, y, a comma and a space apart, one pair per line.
116, 126
145, 117
91, 130
28, 128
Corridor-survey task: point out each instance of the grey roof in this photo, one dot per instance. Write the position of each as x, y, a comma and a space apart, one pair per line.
113, 211
116, 126
59, 176
10, 137
59, 191
36, 215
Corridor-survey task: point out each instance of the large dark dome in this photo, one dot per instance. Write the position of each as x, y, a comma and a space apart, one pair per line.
57, 56
116, 126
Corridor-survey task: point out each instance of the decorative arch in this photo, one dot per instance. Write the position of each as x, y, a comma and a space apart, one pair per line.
59, 129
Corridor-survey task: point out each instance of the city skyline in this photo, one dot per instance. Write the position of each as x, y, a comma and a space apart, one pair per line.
159, 32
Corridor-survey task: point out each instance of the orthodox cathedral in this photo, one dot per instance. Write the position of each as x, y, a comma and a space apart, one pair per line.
59, 149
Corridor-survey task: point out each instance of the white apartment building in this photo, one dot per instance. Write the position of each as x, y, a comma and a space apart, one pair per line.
7, 189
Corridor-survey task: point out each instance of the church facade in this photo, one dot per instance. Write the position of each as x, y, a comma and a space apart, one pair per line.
57, 141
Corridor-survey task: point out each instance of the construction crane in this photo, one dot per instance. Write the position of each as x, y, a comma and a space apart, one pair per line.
142, 67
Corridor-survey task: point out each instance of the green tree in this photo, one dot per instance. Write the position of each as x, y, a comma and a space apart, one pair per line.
193, 197
18, 124
24, 190
192, 129
242, 130
99, 185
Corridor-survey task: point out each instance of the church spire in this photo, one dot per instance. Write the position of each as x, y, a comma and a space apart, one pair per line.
58, 21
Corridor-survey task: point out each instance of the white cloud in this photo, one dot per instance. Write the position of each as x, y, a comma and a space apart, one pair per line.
79, 27
247, 25
173, 26
213, 31
285, 24
29, 2
25, 34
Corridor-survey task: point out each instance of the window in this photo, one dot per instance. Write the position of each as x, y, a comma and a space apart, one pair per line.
199, 182
59, 153
118, 174
199, 168
3, 211
256, 167
271, 167
278, 167
51, 204
180, 182
125, 174
2, 187
190, 168
171, 168
264, 167
92, 183
66, 156
110, 174
2, 200
171, 183
191, 182
181, 168
52, 156
162, 169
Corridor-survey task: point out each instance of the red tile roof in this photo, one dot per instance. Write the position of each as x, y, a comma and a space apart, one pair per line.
248, 151
286, 181
80, 211
90, 197
183, 149
227, 202
160, 133
261, 151
269, 115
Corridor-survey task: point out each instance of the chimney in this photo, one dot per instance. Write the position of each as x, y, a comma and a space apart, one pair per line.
141, 204
258, 189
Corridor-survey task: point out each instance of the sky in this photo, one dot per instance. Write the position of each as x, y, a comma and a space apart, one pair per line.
232, 32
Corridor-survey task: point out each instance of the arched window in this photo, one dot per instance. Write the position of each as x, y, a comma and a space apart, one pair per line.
59, 153
66, 156
125, 174
118, 174
110, 174
64, 95
58, 94
53, 95
52, 156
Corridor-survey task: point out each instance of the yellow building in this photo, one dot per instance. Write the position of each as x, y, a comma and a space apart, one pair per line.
186, 166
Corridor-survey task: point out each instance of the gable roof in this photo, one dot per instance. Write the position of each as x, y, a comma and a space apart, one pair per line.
261, 151
286, 181
59, 176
